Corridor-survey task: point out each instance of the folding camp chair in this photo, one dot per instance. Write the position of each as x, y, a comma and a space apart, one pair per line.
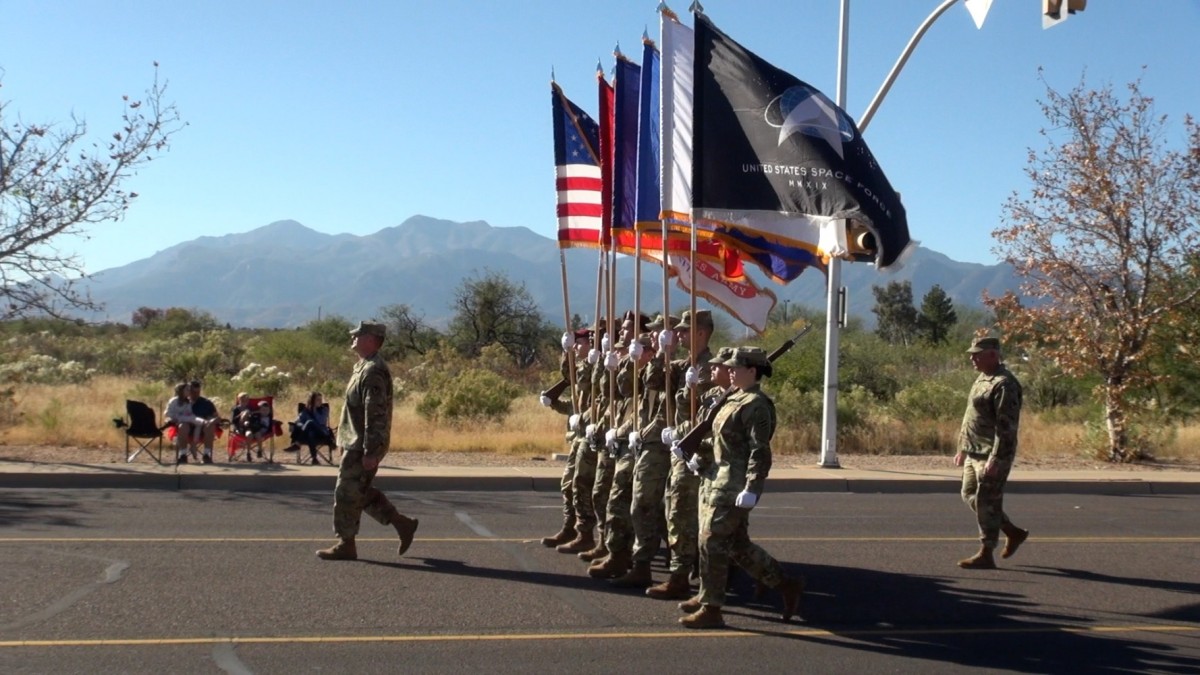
260, 442
142, 427
325, 449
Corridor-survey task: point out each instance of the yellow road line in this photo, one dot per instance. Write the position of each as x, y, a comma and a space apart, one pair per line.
476, 540
655, 635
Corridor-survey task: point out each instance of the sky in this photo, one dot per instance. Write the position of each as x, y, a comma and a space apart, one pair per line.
351, 117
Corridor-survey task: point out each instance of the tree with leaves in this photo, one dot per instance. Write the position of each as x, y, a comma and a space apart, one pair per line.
54, 184
407, 332
492, 309
896, 316
937, 316
1104, 242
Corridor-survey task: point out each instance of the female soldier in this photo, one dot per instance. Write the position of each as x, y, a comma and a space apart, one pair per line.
732, 484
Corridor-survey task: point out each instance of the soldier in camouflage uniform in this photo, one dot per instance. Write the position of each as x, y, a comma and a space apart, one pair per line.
575, 349
683, 486
617, 525
583, 480
731, 487
364, 435
987, 449
608, 363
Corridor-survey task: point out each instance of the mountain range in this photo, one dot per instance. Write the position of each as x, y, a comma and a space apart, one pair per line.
284, 275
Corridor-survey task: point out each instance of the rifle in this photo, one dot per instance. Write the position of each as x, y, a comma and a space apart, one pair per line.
690, 443
555, 391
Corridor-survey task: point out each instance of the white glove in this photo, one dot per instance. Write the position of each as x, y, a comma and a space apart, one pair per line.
594, 356
635, 350
568, 341
745, 500
610, 439
573, 422
668, 435
666, 338
693, 465
546, 402
677, 450
590, 430
635, 440
692, 376
612, 360
605, 344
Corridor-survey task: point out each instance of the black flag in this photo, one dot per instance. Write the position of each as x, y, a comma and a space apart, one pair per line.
776, 162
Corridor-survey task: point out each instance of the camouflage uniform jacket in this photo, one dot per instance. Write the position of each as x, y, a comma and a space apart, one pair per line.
989, 426
583, 392
742, 435
366, 424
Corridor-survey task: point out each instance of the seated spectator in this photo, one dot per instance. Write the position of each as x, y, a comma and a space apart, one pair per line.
180, 417
240, 413
311, 427
207, 420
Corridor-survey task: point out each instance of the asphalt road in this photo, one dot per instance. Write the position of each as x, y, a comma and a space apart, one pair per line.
98, 581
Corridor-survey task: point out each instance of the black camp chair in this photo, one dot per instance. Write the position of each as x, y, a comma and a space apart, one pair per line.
143, 428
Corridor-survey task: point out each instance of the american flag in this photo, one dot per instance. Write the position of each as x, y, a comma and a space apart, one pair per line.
577, 169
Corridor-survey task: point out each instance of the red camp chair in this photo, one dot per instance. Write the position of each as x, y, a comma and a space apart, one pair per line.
255, 437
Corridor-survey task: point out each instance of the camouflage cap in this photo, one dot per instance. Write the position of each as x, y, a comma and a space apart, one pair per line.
748, 356
658, 323
984, 344
703, 320
368, 328
723, 354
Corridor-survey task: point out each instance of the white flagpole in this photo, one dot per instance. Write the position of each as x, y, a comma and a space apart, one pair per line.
829, 424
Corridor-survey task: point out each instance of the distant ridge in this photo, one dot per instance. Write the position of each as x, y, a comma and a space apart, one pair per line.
283, 274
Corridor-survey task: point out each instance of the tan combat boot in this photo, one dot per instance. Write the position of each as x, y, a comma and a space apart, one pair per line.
638, 576
791, 590
706, 617
567, 533
674, 588
1015, 537
690, 605
405, 527
610, 567
980, 561
600, 551
343, 550
584, 541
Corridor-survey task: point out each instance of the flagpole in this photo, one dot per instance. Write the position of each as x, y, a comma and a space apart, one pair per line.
562, 259
666, 298
829, 424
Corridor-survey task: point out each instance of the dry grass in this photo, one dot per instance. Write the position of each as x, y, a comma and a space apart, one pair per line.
81, 416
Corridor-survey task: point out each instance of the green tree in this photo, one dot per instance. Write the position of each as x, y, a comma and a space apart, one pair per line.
1104, 242
55, 184
407, 332
896, 316
937, 316
492, 309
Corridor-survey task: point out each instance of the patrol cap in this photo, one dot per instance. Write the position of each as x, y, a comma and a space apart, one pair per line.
984, 344
703, 319
723, 354
748, 356
658, 323
640, 321
368, 328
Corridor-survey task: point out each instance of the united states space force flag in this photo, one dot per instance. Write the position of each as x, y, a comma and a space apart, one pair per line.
775, 162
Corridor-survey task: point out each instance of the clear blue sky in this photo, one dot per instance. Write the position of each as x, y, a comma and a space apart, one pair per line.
353, 116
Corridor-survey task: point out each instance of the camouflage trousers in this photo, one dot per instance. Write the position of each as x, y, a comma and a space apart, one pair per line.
601, 485
725, 538
618, 535
650, 473
355, 495
985, 496
683, 516
583, 478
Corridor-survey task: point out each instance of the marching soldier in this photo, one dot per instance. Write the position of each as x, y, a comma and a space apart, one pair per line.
732, 484
987, 450
578, 343
364, 435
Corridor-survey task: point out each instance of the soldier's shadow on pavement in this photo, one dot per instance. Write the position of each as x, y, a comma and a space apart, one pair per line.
458, 567
939, 619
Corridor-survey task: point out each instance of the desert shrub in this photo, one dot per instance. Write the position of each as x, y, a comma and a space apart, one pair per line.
44, 369
10, 412
305, 355
472, 395
261, 380
928, 400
